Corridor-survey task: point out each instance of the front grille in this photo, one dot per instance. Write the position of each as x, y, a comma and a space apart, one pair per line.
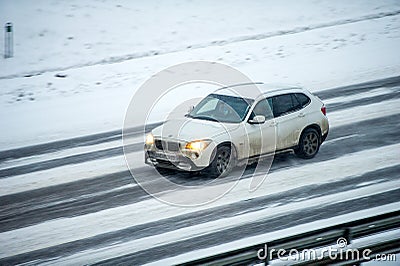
159, 144
164, 145
173, 146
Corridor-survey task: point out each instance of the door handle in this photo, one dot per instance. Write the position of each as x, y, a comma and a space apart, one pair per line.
301, 115
273, 124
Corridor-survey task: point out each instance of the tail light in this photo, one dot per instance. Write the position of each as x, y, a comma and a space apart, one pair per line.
323, 110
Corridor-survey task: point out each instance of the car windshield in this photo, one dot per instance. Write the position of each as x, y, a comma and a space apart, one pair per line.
222, 108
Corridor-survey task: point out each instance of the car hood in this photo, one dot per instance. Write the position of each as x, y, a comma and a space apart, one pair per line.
189, 129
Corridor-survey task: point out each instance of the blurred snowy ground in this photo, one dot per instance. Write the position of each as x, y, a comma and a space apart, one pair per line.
107, 49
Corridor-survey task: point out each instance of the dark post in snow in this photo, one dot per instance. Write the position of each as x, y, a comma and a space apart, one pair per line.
8, 42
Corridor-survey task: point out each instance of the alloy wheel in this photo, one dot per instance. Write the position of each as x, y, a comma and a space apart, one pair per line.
223, 161
310, 144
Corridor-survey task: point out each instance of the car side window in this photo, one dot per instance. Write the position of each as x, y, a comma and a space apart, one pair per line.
282, 104
264, 108
296, 104
303, 99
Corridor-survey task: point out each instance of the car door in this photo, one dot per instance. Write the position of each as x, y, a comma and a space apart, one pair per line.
261, 137
289, 120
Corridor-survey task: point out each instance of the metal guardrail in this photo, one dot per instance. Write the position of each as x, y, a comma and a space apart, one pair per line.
316, 239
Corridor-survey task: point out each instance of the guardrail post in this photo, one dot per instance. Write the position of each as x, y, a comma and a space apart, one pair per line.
347, 235
8, 40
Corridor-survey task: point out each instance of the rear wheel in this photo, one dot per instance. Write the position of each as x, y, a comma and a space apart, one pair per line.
309, 144
222, 162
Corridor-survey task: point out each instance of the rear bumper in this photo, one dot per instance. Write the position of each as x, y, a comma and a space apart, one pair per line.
323, 137
324, 126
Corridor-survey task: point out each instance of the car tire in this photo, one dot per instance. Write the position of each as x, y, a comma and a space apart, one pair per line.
309, 144
222, 163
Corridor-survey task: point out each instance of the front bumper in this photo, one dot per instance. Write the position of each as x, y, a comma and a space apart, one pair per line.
178, 162
171, 153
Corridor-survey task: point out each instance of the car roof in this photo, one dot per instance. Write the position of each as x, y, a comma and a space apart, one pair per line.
258, 89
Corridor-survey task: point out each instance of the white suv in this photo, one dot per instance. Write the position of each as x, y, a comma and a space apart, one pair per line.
232, 126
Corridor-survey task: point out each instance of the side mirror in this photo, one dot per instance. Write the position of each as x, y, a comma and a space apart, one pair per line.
258, 119
190, 109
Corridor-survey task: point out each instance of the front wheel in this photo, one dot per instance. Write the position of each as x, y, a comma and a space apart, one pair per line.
309, 144
222, 162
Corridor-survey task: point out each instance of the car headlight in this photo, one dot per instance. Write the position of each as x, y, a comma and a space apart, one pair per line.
149, 139
197, 145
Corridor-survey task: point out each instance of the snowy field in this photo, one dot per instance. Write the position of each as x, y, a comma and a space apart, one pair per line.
107, 57
77, 65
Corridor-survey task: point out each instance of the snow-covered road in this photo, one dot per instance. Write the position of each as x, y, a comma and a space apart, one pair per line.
97, 216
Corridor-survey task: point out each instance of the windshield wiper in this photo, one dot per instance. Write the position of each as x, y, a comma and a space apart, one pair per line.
205, 118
